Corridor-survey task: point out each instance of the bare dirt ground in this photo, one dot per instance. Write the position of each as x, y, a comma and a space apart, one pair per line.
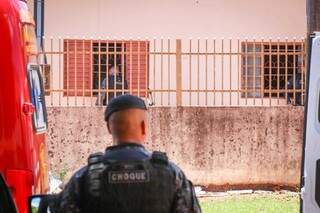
249, 193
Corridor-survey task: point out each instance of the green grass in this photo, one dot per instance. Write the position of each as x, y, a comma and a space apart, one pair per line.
252, 204
63, 173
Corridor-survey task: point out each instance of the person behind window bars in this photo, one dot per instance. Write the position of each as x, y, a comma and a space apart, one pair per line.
294, 83
115, 81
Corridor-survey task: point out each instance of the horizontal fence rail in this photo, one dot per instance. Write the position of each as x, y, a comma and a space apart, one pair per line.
174, 72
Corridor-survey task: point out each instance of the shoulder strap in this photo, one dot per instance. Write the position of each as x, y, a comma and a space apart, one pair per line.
94, 158
159, 158
95, 169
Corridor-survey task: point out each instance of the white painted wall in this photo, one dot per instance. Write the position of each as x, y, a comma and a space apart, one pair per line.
175, 18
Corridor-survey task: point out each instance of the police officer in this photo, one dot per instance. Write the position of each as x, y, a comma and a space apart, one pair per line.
128, 178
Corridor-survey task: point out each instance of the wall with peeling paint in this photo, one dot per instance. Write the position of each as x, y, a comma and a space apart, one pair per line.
234, 147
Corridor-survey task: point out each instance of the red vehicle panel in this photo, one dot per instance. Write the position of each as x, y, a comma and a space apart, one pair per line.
22, 105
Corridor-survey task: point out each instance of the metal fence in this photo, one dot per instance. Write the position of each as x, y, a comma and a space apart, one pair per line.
175, 72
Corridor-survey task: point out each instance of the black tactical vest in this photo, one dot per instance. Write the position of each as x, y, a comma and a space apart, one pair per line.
129, 186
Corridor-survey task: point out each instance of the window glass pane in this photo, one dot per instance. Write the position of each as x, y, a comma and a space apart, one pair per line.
37, 96
251, 69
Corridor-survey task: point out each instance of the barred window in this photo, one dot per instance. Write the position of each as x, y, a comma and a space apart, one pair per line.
105, 56
267, 68
85, 65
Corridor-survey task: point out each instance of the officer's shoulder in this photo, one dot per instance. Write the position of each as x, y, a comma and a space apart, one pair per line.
92, 159
162, 158
176, 168
81, 172
158, 157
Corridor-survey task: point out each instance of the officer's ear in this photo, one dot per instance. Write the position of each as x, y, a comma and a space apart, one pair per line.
108, 126
143, 128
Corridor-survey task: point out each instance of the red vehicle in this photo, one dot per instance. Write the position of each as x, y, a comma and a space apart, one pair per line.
23, 153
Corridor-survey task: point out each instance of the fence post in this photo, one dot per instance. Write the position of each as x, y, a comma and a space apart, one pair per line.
178, 73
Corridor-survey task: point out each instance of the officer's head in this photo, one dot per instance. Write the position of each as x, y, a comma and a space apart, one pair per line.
126, 118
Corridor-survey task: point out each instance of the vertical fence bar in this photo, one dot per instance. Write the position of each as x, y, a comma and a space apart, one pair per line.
178, 73
286, 69
83, 53
294, 70
206, 73
67, 70
246, 72
59, 40
99, 72
130, 53
147, 68
154, 64
107, 72
230, 70
262, 71
169, 79
254, 72
91, 70
103, 48
222, 70
190, 69
302, 71
161, 73
214, 71
115, 68
238, 71
122, 66
278, 70
198, 71
75, 71
51, 73
270, 69
44, 52
139, 65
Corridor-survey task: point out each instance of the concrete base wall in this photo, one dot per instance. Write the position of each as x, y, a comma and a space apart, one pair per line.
216, 147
